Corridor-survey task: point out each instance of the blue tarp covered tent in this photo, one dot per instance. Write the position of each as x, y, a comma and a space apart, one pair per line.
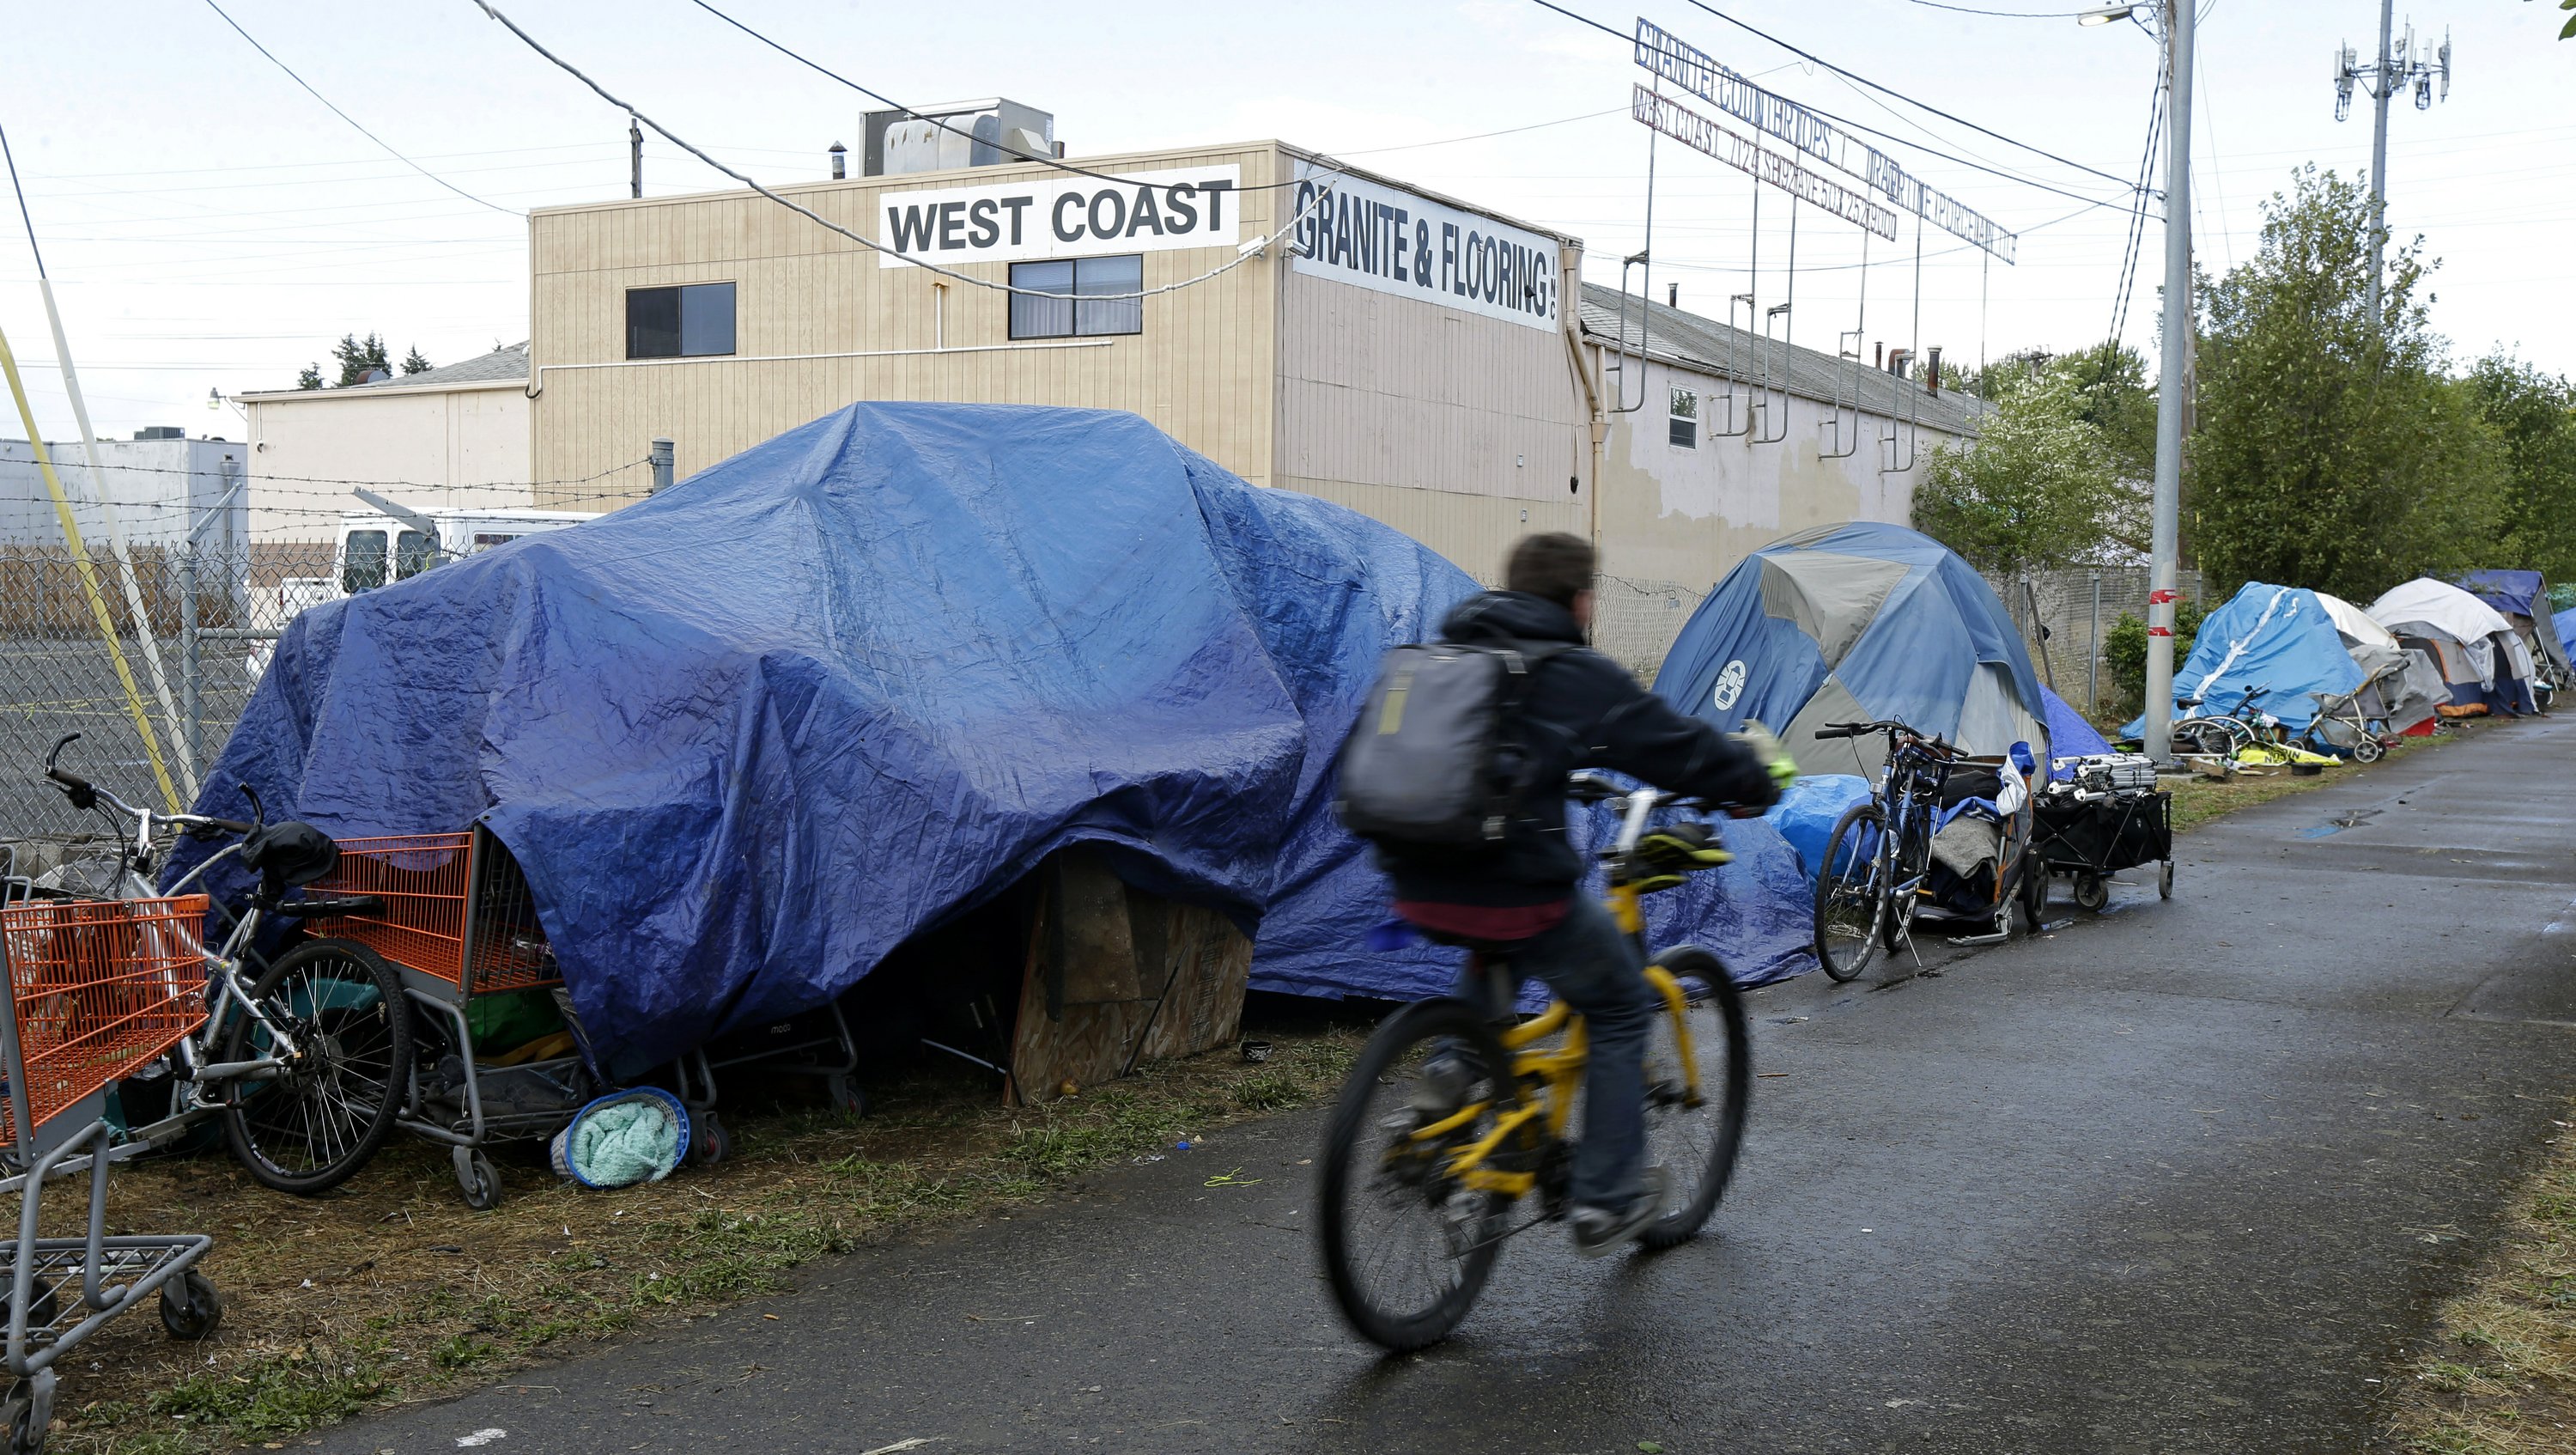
2069, 735
749, 735
1851, 622
2523, 599
2566, 623
2275, 637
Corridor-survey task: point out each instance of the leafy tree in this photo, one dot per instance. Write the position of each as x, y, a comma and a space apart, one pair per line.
2534, 414
311, 378
359, 357
2124, 652
2332, 452
413, 363
2035, 490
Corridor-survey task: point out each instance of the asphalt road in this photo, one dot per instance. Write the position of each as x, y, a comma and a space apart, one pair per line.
2188, 1177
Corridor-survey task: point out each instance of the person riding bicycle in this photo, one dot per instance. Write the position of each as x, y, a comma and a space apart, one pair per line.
1523, 896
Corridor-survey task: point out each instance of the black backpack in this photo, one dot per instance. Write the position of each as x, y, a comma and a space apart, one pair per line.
1437, 757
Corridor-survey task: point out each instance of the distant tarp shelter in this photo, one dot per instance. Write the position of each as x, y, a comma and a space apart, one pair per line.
2566, 621
1847, 623
2522, 598
2278, 638
2473, 645
2069, 736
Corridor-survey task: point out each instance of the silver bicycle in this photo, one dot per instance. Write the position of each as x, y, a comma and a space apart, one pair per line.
303, 1058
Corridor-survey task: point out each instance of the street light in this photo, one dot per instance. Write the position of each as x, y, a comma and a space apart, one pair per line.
2165, 546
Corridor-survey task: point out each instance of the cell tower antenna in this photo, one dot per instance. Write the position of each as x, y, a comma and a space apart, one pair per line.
2397, 67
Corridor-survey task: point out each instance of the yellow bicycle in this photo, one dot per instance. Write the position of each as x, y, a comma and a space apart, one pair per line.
1419, 1179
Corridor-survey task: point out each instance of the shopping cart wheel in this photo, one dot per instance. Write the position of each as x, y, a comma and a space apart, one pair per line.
845, 1096
2164, 880
477, 1178
709, 1142
2092, 891
30, 1408
190, 1307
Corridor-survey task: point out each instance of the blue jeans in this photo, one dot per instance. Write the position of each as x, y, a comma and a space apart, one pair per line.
1594, 969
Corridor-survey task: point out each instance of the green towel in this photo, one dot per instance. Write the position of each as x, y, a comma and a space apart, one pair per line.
626, 1143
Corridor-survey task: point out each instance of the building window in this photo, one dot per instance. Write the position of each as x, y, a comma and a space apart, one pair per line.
679, 323
1685, 422
362, 563
1075, 310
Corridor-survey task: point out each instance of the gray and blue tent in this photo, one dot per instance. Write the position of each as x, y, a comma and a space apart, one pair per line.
1850, 622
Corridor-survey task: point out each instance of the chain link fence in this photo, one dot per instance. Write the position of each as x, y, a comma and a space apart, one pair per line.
1634, 622
2064, 617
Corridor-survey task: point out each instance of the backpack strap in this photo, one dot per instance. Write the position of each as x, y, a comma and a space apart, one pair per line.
1521, 661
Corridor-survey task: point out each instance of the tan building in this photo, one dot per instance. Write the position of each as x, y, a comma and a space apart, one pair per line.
1339, 333
456, 435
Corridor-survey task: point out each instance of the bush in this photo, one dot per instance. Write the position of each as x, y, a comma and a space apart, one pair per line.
2124, 653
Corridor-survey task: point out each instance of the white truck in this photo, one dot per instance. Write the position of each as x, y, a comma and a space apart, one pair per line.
375, 548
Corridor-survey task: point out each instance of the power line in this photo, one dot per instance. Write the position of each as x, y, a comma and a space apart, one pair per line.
1242, 255
23, 215
1901, 96
2007, 14
353, 121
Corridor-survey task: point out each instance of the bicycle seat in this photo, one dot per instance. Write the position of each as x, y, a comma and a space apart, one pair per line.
290, 855
2186, 702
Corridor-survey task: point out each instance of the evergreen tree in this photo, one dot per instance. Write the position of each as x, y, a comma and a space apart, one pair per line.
359, 358
413, 363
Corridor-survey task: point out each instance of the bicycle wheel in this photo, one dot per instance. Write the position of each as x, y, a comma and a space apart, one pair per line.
1406, 1246
332, 1106
1695, 1135
1850, 893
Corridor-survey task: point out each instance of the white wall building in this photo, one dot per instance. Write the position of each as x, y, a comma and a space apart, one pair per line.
456, 435
163, 487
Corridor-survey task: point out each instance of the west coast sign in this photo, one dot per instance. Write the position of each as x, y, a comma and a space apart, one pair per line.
1061, 216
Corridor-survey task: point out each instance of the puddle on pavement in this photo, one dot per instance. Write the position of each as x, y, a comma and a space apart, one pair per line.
2350, 819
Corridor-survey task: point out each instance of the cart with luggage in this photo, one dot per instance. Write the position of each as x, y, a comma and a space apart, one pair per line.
2107, 817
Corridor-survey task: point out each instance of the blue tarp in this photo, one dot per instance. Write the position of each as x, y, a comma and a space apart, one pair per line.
2278, 637
1858, 620
749, 735
2565, 621
2069, 735
1807, 813
2515, 593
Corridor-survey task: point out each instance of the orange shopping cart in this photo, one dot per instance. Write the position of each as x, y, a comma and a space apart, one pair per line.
94, 991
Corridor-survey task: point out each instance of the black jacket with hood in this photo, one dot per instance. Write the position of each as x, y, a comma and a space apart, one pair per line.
1581, 710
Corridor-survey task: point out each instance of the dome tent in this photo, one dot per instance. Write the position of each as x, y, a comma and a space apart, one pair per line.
2481, 657
2281, 639
1849, 622
2522, 599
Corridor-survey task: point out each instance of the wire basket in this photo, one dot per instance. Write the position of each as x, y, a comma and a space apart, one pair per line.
457, 909
97, 989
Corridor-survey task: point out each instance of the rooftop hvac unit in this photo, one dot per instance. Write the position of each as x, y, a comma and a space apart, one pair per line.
955, 135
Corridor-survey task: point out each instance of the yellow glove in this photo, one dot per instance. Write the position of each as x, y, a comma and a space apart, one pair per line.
1774, 755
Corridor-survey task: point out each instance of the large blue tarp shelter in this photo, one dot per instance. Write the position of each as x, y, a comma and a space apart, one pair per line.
1850, 622
2523, 599
749, 735
2279, 638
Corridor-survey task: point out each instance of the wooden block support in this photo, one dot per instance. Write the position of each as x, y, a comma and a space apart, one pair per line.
1116, 977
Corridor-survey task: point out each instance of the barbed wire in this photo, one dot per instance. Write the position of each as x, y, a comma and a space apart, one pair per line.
259, 479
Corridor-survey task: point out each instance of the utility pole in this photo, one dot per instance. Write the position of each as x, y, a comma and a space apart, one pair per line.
635, 157
2390, 71
2172, 385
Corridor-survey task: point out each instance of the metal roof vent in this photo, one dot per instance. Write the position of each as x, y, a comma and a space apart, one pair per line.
954, 135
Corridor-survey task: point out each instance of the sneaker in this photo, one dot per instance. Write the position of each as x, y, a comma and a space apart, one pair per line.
1599, 1230
1441, 1091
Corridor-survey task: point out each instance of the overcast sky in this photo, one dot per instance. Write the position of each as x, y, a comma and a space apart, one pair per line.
208, 225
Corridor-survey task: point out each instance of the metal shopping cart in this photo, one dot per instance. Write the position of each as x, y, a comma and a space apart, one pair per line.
96, 989
459, 925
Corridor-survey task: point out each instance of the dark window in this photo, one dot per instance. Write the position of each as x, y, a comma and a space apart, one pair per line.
1684, 433
1076, 308
679, 323
413, 554
362, 564
483, 542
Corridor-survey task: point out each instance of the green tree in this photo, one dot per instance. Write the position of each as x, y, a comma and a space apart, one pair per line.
359, 357
2534, 414
2036, 489
311, 378
413, 363
2332, 452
